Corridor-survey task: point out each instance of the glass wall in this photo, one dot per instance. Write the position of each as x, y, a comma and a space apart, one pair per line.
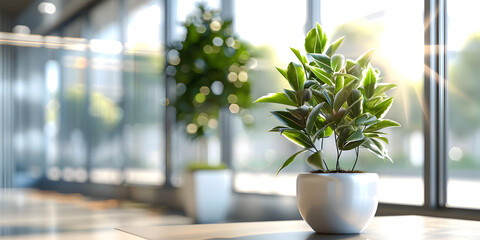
93, 102
144, 94
257, 155
375, 24
366, 25
92, 105
463, 104
185, 149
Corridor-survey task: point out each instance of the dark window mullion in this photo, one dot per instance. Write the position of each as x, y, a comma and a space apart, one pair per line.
170, 24
434, 104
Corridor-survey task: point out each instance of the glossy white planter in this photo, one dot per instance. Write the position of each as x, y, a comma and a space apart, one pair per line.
207, 195
337, 203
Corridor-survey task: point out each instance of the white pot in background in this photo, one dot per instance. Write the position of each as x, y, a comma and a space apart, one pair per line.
207, 195
337, 203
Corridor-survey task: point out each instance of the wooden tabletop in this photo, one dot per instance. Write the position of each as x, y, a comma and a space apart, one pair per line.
381, 228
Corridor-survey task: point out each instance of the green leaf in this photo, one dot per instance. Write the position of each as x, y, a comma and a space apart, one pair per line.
279, 129
290, 160
283, 72
301, 58
324, 76
310, 83
338, 62
369, 82
298, 137
291, 95
288, 119
384, 139
382, 148
381, 109
352, 145
323, 96
322, 60
342, 137
315, 40
303, 95
382, 124
339, 83
350, 108
346, 75
312, 117
370, 104
364, 59
334, 46
342, 96
280, 98
365, 119
376, 147
373, 148
322, 130
354, 68
300, 113
382, 88
355, 102
316, 160
356, 136
296, 75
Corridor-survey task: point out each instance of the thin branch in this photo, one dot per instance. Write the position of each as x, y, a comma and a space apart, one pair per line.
357, 150
338, 160
338, 153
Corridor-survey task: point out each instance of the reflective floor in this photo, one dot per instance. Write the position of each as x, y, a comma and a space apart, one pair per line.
33, 214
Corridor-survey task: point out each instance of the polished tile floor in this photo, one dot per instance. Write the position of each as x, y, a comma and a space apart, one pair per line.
33, 214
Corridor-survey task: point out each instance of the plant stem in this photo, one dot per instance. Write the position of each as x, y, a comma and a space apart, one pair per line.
338, 153
357, 150
338, 160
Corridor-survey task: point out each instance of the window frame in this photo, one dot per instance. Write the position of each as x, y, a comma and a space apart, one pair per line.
435, 119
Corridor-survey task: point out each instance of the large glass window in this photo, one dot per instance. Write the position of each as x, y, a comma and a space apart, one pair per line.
398, 43
30, 97
463, 124
366, 25
72, 104
257, 155
92, 104
106, 95
185, 149
93, 99
144, 92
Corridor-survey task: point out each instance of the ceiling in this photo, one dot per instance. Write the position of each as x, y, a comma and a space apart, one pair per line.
14, 7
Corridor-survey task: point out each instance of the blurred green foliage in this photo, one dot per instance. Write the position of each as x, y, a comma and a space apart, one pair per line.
211, 72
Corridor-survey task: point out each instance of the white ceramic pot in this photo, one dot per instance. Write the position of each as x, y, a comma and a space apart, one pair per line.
207, 195
337, 203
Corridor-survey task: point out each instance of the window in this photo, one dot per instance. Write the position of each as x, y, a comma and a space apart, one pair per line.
100, 115
186, 150
376, 24
366, 25
463, 117
106, 95
143, 128
72, 122
257, 155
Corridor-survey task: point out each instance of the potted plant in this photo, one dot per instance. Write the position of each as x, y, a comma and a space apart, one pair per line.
343, 99
207, 192
211, 74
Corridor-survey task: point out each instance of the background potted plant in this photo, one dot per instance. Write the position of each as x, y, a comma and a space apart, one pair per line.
343, 99
211, 75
